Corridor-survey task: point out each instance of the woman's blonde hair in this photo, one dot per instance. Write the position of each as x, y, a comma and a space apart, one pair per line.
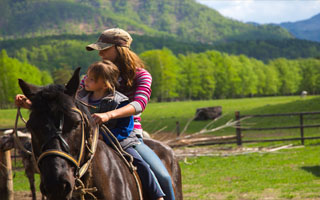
128, 62
107, 71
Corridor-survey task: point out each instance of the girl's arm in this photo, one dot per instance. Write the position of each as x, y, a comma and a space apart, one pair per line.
125, 111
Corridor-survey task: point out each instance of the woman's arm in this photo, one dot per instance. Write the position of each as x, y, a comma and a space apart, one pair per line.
142, 90
22, 101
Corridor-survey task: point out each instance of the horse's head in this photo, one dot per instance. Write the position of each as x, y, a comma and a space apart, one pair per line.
59, 126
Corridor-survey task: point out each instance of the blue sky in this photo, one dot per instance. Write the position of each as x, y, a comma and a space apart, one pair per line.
265, 11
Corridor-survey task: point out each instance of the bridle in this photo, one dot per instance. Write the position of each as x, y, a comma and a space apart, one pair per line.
86, 142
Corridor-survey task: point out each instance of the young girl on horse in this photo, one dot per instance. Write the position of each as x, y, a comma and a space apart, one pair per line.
99, 91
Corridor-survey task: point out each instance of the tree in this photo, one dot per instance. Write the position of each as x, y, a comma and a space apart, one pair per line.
163, 66
289, 75
10, 71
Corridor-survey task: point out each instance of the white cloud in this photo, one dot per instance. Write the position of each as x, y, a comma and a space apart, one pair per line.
265, 11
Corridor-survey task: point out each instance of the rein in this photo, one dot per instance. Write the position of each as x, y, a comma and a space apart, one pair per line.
116, 145
15, 132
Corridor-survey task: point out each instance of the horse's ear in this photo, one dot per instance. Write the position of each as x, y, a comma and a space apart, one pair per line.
73, 84
28, 89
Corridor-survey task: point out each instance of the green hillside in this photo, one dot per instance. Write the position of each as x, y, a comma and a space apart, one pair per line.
183, 19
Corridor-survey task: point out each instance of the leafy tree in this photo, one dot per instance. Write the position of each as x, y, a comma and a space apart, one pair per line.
310, 70
189, 80
289, 75
249, 79
163, 66
10, 71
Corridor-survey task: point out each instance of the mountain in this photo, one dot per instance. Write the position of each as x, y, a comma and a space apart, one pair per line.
306, 29
185, 20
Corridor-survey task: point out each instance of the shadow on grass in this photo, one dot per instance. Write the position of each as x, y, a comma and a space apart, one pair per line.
315, 170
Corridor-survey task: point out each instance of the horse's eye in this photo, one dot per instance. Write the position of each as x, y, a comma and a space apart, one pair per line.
76, 124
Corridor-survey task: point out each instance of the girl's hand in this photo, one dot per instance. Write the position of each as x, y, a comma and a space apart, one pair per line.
100, 118
22, 101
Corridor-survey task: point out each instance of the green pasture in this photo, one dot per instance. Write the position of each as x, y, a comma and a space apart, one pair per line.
281, 175
160, 115
285, 174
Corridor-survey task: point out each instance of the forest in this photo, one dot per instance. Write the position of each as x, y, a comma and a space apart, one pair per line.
191, 76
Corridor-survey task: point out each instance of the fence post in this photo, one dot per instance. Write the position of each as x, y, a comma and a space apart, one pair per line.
6, 181
301, 129
178, 128
238, 128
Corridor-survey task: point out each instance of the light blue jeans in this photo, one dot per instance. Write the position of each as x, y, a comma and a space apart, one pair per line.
158, 169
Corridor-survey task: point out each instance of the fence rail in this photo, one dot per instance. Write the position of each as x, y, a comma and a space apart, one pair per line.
19, 128
301, 126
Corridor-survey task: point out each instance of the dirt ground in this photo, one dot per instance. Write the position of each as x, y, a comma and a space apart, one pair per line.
25, 195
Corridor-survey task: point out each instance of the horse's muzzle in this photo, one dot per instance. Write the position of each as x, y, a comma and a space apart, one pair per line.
61, 190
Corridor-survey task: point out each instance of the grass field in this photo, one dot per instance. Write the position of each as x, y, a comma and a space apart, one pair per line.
159, 115
286, 174
282, 175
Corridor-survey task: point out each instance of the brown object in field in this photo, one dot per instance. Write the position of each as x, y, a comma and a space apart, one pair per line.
208, 113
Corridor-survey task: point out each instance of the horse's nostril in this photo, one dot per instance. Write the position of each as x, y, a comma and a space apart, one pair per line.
66, 187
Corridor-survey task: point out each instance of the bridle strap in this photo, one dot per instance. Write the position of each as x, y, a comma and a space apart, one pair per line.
82, 134
69, 157
58, 153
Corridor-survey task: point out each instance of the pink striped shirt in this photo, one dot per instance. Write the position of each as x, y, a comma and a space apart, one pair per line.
139, 95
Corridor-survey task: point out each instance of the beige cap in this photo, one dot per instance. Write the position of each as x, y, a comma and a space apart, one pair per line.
110, 37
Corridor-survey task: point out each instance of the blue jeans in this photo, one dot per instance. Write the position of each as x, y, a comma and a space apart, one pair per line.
158, 169
148, 181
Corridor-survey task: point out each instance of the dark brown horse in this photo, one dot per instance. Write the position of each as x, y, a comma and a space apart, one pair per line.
63, 138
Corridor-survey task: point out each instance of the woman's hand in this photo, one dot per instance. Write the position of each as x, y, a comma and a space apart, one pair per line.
22, 101
100, 118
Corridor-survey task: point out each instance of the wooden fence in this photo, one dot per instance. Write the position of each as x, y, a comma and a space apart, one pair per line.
301, 126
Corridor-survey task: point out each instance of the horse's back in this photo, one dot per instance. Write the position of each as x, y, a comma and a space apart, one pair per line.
170, 161
111, 176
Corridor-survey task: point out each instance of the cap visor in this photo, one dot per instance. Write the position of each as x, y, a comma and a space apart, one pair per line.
98, 46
